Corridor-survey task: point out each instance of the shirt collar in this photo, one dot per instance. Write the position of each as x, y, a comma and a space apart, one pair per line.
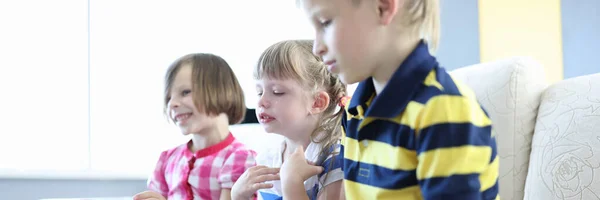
211, 149
399, 90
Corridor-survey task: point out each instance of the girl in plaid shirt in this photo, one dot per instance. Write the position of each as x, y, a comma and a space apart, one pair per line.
202, 97
298, 100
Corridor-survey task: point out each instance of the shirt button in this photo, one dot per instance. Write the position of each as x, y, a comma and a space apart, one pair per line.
365, 143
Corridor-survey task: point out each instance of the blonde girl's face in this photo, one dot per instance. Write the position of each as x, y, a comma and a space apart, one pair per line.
284, 108
181, 107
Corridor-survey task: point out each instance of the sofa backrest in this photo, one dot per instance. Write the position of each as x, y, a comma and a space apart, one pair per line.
565, 155
510, 91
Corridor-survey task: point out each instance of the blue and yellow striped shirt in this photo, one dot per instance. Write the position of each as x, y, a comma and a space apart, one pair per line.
424, 136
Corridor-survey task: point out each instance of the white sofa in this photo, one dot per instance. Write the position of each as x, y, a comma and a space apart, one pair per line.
548, 135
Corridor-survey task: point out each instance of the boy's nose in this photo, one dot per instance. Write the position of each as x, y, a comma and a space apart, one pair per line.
318, 48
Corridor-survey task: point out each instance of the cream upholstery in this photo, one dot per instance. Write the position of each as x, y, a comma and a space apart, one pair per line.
565, 149
565, 156
510, 91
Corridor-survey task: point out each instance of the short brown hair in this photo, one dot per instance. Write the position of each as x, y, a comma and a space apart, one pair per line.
215, 88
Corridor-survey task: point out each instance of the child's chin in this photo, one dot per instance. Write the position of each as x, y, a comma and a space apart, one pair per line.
270, 129
185, 131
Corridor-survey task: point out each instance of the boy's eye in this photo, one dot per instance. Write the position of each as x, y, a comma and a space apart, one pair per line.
259, 93
277, 93
324, 23
185, 92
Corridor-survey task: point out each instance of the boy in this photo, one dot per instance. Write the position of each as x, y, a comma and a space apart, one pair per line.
412, 132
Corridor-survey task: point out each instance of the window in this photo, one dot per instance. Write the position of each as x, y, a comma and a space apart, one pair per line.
133, 42
83, 83
44, 84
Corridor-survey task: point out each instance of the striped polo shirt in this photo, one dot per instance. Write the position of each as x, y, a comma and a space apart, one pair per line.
424, 136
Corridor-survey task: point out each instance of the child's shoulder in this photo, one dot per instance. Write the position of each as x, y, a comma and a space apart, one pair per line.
173, 154
238, 148
441, 83
178, 150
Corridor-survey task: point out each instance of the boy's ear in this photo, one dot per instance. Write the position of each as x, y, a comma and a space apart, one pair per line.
321, 102
388, 9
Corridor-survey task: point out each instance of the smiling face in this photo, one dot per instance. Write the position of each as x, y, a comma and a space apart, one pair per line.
199, 88
181, 106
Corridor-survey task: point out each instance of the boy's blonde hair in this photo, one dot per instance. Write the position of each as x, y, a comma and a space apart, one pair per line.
422, 18
293, 59
215, 88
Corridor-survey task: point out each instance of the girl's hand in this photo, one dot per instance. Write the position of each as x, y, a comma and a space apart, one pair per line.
149, 195
253, 180
296, 169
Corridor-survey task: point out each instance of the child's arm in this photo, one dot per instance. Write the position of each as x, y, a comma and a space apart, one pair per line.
148, 195
252, 180
294, 171
332, 176
335, 190
294, 190
225, 194
342, 191
157, 181
455, 147
332, 191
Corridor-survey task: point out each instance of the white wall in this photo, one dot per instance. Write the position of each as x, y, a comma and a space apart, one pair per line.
141, 28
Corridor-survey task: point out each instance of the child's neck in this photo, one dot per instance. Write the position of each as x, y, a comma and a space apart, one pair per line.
392, 59
291, 144
212, 135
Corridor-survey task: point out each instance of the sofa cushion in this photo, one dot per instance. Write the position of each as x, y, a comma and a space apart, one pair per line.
510, 92
565, 155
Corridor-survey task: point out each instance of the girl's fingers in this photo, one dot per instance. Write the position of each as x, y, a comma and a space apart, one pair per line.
266, 177
258, 186
256, 168
147, 195
267, 170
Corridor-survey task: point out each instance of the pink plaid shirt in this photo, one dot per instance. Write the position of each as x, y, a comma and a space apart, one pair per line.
181, 174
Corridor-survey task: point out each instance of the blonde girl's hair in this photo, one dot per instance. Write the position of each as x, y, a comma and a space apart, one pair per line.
293, 59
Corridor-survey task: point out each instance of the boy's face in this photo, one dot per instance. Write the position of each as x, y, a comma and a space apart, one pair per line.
348, 36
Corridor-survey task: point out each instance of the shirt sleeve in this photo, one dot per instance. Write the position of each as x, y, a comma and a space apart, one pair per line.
235, 165
332, 169
454, 147
157, 181
340, 156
